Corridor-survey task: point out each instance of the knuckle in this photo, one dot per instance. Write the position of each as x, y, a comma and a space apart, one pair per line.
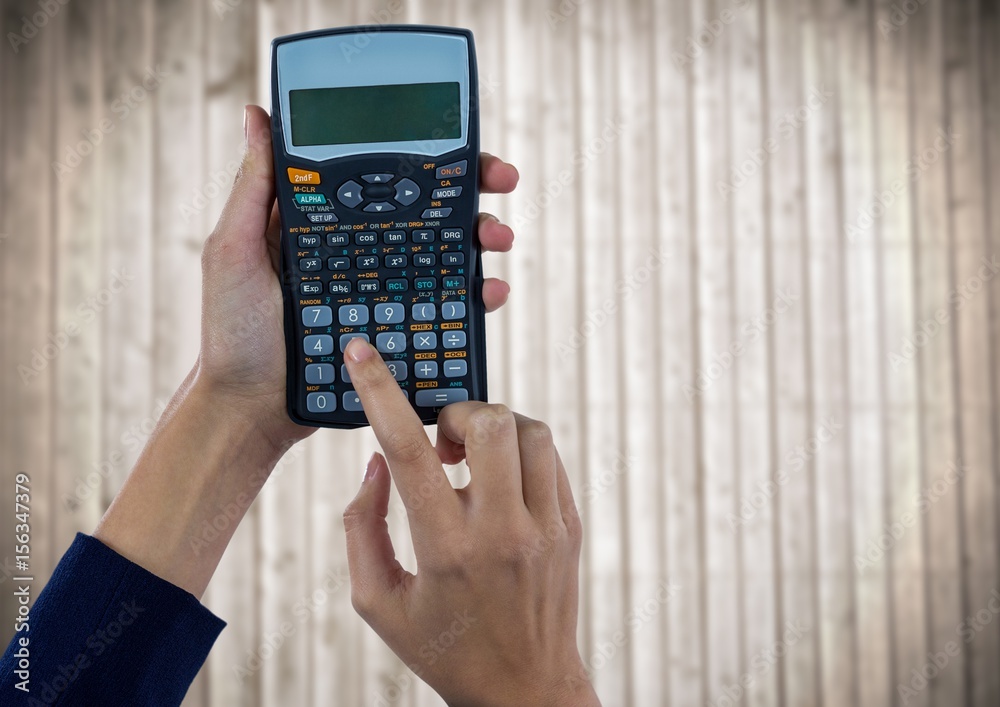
536, 434
490, 421
406, 448
361, 601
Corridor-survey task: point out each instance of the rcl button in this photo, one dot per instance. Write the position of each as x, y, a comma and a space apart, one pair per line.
456, 169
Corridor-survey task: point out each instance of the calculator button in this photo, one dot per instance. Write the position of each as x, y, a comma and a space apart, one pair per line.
454, 340
446, 193
308, 241
454, 282
321, 402
451, 234
345, 339
353, 315
335, 239
424, 260
395, 261
349, 194
379, 207
391, 342
455, 368
398, 369
340, 287
400, 284
394, 237
425, 370
436, 213
366, 238
424, 312
344, 374
425, 283
310, 264
452, 310
407, 192
310, 199
352, 401
455, 169
311, 288
377, 178
423, 236
325, 217
317, 316
319, 374
425, 340
338, 263
367, 262
302, 176
368, 286
378, 192
389, 313
318, 345
441, 397
453, 258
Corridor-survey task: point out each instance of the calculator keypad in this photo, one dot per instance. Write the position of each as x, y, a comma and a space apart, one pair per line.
390, 268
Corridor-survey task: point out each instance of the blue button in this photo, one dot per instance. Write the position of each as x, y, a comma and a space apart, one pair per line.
310, 199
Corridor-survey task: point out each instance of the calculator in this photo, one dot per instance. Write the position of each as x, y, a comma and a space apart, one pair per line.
376, 156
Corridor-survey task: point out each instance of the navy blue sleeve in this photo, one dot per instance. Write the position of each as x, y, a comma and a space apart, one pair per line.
104, 631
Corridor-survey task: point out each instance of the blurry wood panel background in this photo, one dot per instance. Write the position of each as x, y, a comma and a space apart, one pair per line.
753, 295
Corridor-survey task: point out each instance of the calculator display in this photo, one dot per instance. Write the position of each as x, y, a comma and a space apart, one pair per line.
375, 114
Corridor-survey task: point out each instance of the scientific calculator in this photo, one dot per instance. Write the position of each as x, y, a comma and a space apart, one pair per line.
376, 154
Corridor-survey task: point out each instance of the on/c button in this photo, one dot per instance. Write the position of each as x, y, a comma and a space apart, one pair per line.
302, 176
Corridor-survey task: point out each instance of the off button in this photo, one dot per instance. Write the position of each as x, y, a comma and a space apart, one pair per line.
302, 176
455, 169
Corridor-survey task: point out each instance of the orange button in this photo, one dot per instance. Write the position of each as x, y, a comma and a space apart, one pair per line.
302, 176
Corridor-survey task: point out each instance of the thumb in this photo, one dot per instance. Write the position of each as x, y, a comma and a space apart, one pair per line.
247, 212
375, 572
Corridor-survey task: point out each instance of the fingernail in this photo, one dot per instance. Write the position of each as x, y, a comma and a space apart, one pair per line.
246, 125
371, 468
358, 350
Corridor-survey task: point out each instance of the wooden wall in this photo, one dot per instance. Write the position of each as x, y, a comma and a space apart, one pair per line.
722, 355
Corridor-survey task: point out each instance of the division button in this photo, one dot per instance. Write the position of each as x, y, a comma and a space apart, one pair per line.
455, 169
352, 401
455, 368
377, 178
407, 192
451, 311
454, 340
320, 374
431, 398
425, 370
349, 194
436, 213
379, 207
321, 402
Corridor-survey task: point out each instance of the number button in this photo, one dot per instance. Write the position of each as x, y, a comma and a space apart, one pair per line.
398, 369
451, 311
366, 238
318, 345
425, 340
338, 263
389, 313
310, 264
317, 316
453, 258
391, 342
320, 374
454, 340
321, 402
345, 339
426, 369
395, 261
424, 312
455, 368
353, 315
367, 262
424, 260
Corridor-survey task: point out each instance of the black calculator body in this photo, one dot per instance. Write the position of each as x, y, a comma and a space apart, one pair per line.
376, 154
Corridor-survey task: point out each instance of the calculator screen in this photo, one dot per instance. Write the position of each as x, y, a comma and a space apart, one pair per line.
374, 114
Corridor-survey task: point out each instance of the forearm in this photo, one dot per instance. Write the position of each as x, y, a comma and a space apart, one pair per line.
193, 483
